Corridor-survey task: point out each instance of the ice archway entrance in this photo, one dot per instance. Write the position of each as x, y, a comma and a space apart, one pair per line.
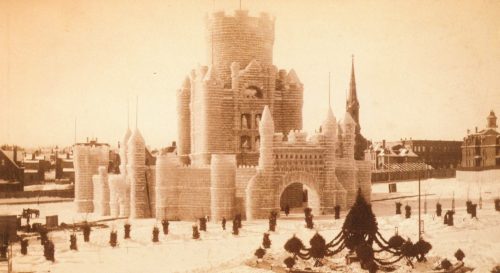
299, 190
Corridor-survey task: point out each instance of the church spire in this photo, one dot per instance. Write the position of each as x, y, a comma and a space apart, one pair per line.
352, 103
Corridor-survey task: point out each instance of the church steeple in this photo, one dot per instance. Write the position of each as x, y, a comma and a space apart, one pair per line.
352, 103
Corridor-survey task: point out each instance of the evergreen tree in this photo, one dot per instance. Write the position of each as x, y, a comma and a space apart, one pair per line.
24, 246
266, 242
445, 264
273, 220
127, 231
49, 250
460, 255
294, 245
398, 207
318, 249
308, 217
113, 238
223, 223
165, 224
450, 217
196, 233
421, 249
72, 242
203, 224
337, 212
438, 209
407, 211
289, 262
86, 232
238, 220
360, 223
365, 254
259, 253
235, 227
468, 205
43, 235
156, 233
396, 241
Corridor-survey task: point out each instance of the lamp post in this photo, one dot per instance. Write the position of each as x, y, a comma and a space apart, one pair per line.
419, 223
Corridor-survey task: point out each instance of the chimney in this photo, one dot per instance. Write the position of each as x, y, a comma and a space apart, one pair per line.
468, 131
476, 129
383, 143
174, 144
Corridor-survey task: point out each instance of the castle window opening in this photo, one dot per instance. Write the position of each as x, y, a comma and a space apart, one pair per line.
257, 120
245, 143
253, 92
245, 121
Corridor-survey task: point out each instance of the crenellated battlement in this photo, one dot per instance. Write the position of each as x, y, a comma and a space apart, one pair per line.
247, 166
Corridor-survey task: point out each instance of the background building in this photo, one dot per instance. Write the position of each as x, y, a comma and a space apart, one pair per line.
481, 154
11, 171
409, 159
481, 149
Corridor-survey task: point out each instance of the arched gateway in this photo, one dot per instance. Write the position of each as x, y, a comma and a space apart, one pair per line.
302, 179
332, 179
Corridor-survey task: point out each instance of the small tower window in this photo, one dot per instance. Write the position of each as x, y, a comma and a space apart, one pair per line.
253, 92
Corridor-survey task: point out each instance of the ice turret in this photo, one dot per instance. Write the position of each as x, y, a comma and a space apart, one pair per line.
136, 176
184, 121
329, 126
349, 132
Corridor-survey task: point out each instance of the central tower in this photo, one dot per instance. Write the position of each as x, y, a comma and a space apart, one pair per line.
220, 105
239, 38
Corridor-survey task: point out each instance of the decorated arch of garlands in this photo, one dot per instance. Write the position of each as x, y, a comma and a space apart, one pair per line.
360, 236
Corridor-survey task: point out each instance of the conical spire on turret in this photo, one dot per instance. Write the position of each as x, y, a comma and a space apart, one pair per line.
187, 83
126, 137
267, 121
266, 131
135, 138
211, 74
348, 120
329, 126
292, 77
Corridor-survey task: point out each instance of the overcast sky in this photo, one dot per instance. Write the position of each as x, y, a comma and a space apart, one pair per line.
424, 69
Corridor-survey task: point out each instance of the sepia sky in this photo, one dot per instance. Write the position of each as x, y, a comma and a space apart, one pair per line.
424, 69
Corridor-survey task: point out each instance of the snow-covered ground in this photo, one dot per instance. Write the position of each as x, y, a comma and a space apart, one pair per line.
220, 251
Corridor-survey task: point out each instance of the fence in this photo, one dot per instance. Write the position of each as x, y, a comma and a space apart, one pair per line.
411, 175
67, 193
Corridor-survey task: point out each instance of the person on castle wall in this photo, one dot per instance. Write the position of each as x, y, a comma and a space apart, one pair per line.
244, 122
245, 144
